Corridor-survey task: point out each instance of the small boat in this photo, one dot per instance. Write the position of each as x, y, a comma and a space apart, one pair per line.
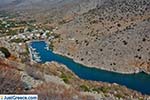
38, 60
33, 49
35, 53
47, 48
36, 56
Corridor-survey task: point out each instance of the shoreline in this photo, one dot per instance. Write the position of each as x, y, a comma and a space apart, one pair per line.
87, 65
97, 67
109, 74
30, 52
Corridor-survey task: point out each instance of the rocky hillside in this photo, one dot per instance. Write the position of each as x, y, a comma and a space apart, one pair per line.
50, 10
54, 81
114, 36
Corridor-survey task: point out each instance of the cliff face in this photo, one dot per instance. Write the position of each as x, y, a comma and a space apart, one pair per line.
113, 36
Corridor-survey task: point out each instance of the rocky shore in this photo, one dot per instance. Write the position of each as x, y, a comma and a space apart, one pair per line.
129, 71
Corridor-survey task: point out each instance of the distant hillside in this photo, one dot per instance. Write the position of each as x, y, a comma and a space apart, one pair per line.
51, 10
5, 2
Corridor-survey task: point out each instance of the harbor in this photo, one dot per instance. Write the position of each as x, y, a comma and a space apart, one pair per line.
139, 82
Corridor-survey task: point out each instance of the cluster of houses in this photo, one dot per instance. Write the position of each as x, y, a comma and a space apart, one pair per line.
32, 35
24, 32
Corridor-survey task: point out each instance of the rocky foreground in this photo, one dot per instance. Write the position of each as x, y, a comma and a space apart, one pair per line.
114, 36
53, 81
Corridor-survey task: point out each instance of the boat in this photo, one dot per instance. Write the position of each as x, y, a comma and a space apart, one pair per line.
38, 60
32, 49
35, 53
47, 48
36, 56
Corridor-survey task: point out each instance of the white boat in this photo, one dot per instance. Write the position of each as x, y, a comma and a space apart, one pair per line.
35, 53
36, 56
38, 60
32, 49
47, 48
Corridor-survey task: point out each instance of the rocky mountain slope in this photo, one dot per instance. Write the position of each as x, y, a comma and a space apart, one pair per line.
54, 81
114, 36
50, 10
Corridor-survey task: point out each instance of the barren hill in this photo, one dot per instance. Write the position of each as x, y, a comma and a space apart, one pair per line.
114, 36
50, 10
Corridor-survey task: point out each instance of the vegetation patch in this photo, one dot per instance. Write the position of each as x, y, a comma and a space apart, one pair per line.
65, 78
85, 88
5, 51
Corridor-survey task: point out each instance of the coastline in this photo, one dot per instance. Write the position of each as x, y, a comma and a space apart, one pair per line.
87, 65
97, 67
30, 52
91, 73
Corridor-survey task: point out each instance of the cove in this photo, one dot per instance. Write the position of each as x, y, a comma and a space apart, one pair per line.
139, 82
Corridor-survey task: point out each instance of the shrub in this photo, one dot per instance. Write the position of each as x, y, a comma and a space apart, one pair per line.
65, 78
119, 95
85, 88
18, 40
96, 90
104, 89
5, 51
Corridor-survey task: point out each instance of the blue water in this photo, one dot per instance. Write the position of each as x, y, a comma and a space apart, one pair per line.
139, 82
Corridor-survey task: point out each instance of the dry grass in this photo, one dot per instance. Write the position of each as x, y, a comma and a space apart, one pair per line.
9, 80
51, 91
